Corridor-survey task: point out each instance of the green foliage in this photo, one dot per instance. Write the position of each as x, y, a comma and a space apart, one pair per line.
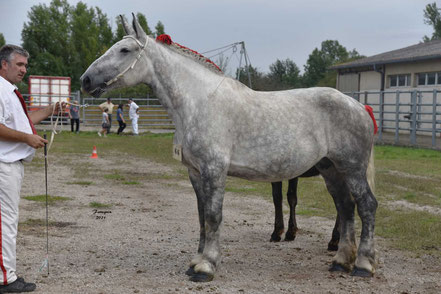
159, 29
432, 17
284, 75
317, 66
2, 40
63, 40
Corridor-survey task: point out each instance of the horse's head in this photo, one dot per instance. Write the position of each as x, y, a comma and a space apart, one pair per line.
120, 66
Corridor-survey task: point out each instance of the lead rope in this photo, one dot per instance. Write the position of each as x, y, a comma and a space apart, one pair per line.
46, 260
55, 124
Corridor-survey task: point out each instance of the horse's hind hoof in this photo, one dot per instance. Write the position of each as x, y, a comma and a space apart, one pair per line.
335, 267
290, 237
275, 238
201, 277
332, 246
190, 272
361, 272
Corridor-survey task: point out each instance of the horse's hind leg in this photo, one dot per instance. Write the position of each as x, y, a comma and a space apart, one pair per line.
335, 238
345, 205
278, 221
366, 208
292, 200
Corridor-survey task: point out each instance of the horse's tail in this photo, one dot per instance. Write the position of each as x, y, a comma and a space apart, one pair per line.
371, 167
370, 173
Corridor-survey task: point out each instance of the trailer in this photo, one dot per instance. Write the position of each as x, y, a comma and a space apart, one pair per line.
44, 90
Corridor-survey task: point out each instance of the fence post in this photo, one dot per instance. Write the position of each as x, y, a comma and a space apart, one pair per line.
435, 94
381, 109
413, 118
397, 117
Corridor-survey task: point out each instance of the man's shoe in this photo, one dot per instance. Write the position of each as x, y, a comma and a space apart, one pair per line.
18, 286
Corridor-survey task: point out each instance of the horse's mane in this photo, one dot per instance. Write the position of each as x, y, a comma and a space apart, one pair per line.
166, 39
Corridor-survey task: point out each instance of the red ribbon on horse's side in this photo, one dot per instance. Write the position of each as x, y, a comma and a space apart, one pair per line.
371, 114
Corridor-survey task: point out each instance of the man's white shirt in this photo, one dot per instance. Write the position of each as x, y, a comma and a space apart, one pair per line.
13, 117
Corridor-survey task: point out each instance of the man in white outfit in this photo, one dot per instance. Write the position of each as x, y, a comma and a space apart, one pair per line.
134, 115
18, 141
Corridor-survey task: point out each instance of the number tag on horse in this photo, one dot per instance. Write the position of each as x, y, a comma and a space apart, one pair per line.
177, 152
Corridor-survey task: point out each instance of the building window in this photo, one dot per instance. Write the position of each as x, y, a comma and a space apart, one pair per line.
429, 78
399, 80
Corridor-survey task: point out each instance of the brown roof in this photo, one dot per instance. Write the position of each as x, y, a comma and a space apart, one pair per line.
418, 52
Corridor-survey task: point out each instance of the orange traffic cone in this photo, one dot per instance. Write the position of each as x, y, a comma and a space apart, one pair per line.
94, 154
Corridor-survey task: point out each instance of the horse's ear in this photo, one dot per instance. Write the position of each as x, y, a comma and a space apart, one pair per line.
128, 29
137, 27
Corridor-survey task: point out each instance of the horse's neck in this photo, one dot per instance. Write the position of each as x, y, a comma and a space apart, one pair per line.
179, 82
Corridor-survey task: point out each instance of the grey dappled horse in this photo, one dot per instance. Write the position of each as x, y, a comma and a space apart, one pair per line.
291, 196
224, 128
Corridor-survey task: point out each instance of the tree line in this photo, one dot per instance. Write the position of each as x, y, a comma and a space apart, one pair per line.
63, 40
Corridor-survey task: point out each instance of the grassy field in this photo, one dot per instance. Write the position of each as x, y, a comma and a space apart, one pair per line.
408, 184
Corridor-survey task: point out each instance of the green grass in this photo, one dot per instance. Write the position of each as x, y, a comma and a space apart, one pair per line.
99, 205
115, 176
50, 199
81, 183
406, 174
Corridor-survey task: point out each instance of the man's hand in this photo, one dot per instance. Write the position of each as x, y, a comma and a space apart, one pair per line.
35, 141
57, 106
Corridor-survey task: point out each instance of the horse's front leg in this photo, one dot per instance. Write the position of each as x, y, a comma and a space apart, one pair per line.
213, 178
196, 181
278, 209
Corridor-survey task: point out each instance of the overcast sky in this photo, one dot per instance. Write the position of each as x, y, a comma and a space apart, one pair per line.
271, 29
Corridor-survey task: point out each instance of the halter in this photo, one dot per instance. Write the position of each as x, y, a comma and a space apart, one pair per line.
134, 62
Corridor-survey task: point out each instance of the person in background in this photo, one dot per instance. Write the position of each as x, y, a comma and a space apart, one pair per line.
74, 115
134, 115
105, 123
120, 118
109, 105
18, 142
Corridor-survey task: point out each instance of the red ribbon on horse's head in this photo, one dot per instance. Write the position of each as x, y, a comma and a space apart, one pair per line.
371, 114
164, 39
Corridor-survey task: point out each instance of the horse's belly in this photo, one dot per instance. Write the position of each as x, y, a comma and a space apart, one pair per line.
270, 171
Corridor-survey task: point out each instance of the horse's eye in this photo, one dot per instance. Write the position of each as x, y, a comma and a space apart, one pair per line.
124, 50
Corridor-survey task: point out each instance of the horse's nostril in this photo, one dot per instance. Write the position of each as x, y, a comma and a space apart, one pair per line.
86, 83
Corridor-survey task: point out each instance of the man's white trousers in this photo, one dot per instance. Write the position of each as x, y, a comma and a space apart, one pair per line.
11, 177
135, 125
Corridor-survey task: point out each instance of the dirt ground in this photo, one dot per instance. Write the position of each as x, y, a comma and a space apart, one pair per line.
143, 243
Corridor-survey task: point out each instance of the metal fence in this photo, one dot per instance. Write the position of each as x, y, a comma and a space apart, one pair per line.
411, 114
151, 113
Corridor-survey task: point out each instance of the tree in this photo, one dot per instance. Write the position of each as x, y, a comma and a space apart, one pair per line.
258, 79
432, 17
284, 75
159, 29
2, 40
143, 23
319, 61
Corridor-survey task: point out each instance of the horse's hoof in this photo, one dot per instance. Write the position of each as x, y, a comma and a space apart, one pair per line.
275, 238
190, 272
201, 277
290, 237
332, 246
361, 272
336, 267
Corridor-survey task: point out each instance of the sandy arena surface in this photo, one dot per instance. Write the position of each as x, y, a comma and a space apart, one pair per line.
145, 240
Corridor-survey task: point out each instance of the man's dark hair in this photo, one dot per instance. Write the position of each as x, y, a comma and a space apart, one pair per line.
7, 50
